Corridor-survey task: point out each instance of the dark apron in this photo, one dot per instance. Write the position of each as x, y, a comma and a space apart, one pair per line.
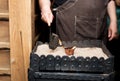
78, 20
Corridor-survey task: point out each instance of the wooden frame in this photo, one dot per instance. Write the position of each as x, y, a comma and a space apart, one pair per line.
20, 21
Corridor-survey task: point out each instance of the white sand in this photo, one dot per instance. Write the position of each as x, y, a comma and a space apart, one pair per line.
85, 52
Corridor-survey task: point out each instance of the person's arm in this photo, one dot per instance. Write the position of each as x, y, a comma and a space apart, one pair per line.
112, 31
46, 13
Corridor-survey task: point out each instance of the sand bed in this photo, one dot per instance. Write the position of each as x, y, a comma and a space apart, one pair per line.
84, 52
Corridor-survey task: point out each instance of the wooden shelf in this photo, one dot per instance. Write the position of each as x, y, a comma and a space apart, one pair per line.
5, 78
4, 15
4, 62
5, 71
4, 45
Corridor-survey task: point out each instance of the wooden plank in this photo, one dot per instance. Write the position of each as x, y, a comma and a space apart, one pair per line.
4, 31
5, 71
4, 15
3, 5
4, 61
4, 45
5, 78
20, 38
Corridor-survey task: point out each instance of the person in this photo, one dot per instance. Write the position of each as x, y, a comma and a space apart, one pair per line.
114, 45
81, 19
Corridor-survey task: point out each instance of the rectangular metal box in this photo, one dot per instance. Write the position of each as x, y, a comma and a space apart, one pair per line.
57, 68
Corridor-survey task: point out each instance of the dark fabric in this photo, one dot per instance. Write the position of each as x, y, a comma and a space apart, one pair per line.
114, 47
58, 3
81, 20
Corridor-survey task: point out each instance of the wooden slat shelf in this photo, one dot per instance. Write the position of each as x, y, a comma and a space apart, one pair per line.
4, 4
4, 62
4, 15
5, 78
5, 71
4, 45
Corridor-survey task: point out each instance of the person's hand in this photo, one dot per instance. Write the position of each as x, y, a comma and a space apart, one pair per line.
47, 16
112, 31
